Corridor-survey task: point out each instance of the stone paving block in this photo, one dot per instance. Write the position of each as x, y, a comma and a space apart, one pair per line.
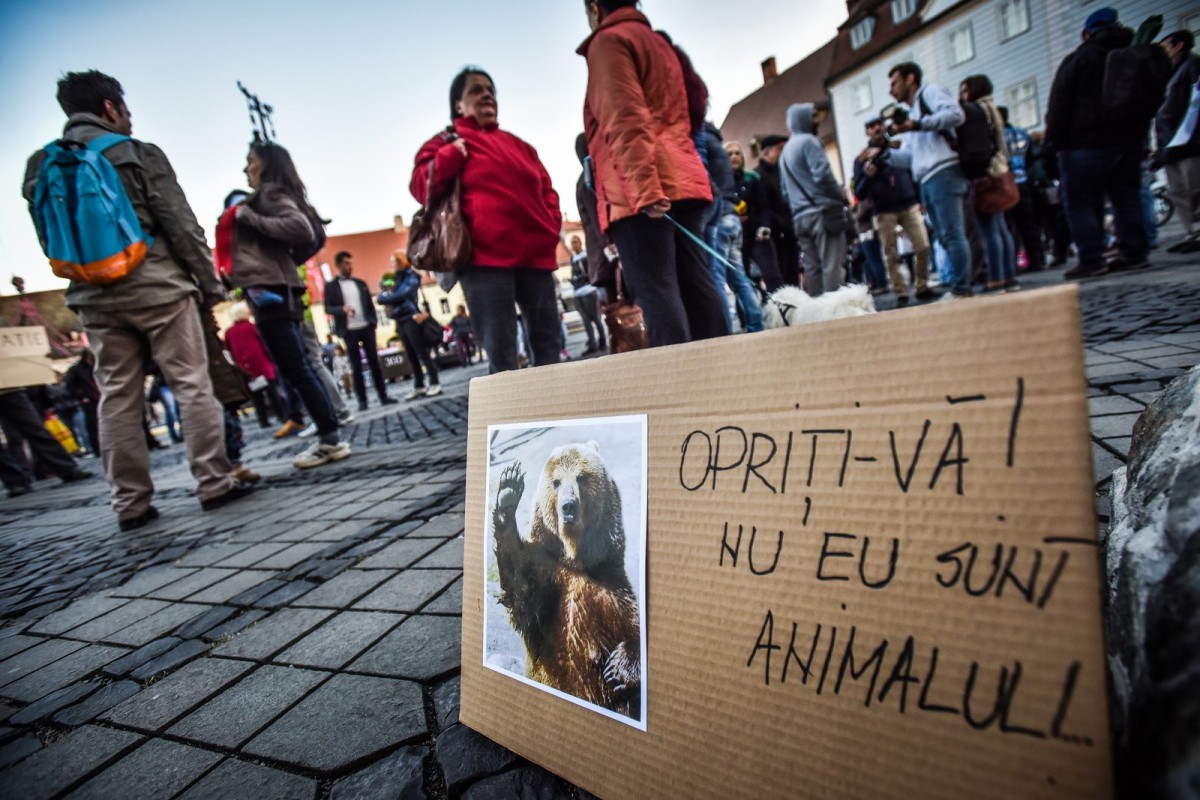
238, 623
268, 636
421, 648
1159, 351
342, 590
157, 624
1121, 444
96, 704
402, 774
12, 645
340, 639
127, 664
448, 556
348, 719
155, 770
210, 554
106, 624
338, 532
65, 671
442, 526
231, 586
467, 756
232, 717
76, 614
529, 782
1117, 425
44, 708
251, 555
16, 749
1185, 361
1115, 368
1124, 345
68, 760
291, 556
1192, 338
150, 580
256, 593
409, 590
399, 554
161, 703
286, 594
446, 702
172, 659
193, 582
1113, 404
448, 602
202, 624
1104, 463
238, 780
324, 570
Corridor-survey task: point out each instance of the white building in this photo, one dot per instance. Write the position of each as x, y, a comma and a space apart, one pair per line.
1018, 44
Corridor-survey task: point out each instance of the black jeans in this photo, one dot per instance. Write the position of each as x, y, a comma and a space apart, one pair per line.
365, 339
18, 411
282, 337
669, 275
1024, 221
493, 294
589, 310
417, 353
1088, 177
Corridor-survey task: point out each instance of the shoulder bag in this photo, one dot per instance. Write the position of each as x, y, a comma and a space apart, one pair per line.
995, 194
625, 322
438, 239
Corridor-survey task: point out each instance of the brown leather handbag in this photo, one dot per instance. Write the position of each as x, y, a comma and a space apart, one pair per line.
438, 239
625, 322
996, 193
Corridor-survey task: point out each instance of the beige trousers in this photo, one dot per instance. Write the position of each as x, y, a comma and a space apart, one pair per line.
1183, 183
913, 225
123, 342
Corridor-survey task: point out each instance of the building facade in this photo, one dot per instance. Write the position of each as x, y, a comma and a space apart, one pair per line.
1018, 44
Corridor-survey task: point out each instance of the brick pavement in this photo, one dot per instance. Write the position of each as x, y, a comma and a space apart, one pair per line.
305, 643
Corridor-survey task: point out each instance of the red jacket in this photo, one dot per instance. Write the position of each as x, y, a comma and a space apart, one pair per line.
248, 350
511, 210
636, 118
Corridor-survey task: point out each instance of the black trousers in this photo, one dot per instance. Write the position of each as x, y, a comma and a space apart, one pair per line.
493, 295
1025, 224
417, 353
364, 339
283, 340
669, 274
18, 411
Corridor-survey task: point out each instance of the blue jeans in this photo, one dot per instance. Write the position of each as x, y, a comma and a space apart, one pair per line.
171, 412
1001, 253
942, 195
876, 273
1148, 215
1087, 177
725, 236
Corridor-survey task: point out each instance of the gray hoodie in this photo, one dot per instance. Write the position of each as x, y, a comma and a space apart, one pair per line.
806, 178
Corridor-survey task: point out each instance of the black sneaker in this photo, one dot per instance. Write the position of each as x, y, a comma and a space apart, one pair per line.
238, 491
928, 294
1082, 272
17, 491
901, 299
1123, 264
140, 521
387, 401
77, 475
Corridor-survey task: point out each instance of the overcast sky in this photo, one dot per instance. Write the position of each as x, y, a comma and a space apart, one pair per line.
357, 86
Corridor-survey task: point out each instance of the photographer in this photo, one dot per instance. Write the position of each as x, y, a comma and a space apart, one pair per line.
882, 175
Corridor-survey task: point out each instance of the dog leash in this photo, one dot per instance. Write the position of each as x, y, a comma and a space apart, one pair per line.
703, 244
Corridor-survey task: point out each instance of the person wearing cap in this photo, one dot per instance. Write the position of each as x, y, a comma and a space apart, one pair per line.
1179, 151
787, 252
1097, 157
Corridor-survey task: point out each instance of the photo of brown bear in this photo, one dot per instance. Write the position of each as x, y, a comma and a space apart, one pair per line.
565, 585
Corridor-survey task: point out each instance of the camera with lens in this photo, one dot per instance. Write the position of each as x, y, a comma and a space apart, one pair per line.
893, 114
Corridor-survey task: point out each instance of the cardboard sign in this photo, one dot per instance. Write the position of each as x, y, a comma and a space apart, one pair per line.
871, 562
23, 358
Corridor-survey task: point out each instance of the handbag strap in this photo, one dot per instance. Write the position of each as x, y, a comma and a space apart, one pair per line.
449, 135
703, 244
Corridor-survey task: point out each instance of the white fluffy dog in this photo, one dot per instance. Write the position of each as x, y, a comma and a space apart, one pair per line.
790, 305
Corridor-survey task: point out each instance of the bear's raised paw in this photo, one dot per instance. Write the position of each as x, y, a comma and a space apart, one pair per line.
512, 487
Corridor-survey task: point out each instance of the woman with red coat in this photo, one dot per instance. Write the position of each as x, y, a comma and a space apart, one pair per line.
512, 215
249, 352
646, 166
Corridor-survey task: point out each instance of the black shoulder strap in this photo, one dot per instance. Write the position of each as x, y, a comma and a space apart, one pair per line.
925, 110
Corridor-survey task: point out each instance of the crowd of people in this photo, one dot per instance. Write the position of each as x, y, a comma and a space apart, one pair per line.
673, 218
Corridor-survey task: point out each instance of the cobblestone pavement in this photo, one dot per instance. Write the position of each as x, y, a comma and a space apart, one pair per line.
304, 642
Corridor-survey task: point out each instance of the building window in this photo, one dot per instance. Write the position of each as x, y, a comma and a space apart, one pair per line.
863, 99
1014, 18
860, 34
1023, 108
962, 45
902, 10
445, 305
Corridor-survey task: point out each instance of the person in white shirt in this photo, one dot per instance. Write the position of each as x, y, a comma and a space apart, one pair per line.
348, 301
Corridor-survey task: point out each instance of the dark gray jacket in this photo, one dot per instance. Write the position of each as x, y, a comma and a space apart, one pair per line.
1175, 104
179, 263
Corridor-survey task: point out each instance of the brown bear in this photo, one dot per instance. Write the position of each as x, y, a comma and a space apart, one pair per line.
565, 588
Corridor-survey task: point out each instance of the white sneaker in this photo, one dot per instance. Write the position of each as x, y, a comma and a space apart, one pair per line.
321, 453
415, 393
949, 297
346, 417
308, 432
434, 390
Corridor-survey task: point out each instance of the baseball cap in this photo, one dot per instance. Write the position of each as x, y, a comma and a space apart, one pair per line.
771, 139
1099, 18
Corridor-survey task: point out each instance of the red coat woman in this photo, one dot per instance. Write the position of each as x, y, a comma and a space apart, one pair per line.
512, 214
249, 352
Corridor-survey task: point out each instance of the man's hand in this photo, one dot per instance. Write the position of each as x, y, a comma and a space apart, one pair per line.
871, 168
610, 252
349, 311
905, 127
658, 210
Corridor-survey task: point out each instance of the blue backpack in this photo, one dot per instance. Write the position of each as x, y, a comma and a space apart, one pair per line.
86, 224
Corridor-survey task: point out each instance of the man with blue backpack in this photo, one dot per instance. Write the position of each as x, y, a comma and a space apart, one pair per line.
113, 220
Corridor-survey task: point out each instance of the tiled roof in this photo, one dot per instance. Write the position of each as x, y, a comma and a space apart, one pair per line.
885, 35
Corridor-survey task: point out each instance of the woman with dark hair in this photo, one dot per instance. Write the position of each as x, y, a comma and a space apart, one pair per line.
652, 190
403, 304
270, 223
512, 215
1001, 251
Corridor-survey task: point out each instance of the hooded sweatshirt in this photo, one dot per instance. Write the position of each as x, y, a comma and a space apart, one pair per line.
807, 179
928, 146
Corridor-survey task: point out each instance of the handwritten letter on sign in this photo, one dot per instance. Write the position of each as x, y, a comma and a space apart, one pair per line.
872, 563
